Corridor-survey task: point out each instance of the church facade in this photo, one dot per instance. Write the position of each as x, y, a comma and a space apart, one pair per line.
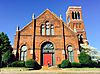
49, 40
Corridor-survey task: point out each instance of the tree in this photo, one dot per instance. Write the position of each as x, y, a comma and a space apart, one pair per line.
5, 48
8, 57
84, 59
0, 59
4, 43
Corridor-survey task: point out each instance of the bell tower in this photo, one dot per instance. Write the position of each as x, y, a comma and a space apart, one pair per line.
75, 22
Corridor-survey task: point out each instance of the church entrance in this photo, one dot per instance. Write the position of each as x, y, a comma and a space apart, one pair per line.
47, 54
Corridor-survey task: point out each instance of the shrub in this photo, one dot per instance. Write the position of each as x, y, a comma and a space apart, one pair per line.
8, 57
3, 64
65, 64
93, 64
98, 65
75, 65
32, 64
17, 64
59, 65
84, 59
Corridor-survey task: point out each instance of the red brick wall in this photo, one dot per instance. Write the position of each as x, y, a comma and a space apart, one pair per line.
26, 37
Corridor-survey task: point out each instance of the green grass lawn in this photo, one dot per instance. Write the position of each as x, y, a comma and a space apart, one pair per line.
67, 69
82, 69
14, 69
22, 70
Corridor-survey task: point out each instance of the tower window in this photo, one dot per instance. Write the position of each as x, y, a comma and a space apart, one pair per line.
79, 25
78, 15
80, 37
72, 15
75, 15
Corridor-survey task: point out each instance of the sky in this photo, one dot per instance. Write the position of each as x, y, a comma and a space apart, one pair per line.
19, 12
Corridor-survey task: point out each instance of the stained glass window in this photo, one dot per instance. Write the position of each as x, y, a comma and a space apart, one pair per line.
23, 53
70, 54
43, 30
52, 30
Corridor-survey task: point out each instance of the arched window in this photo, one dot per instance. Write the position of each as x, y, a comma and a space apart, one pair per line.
80, 38
52, 30
23, 53
70, 54
48, 47
43, 30
75, 15
78, 15
72, 15
47, 28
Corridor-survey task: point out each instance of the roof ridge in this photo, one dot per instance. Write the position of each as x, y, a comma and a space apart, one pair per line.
69, 28
50, 12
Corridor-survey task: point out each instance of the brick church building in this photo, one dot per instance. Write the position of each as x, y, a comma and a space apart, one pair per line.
49, 40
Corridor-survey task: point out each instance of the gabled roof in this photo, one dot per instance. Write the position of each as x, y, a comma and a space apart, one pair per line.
26, 26
65, 25
47, 10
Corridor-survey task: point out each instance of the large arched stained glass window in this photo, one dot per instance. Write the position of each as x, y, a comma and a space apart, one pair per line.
48, 47
23, 53
70, 54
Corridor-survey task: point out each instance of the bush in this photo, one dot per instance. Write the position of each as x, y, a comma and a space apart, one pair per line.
59, 65
3, 64
98, 65
17, 64
65, 64
8, 57
93, 64
84, 59
75, 65
32, 64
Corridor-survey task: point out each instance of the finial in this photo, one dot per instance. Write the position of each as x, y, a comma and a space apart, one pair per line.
17, 29
33, 16
60, 16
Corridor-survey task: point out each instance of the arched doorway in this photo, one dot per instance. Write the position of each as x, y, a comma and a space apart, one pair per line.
23, 53
47, 54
